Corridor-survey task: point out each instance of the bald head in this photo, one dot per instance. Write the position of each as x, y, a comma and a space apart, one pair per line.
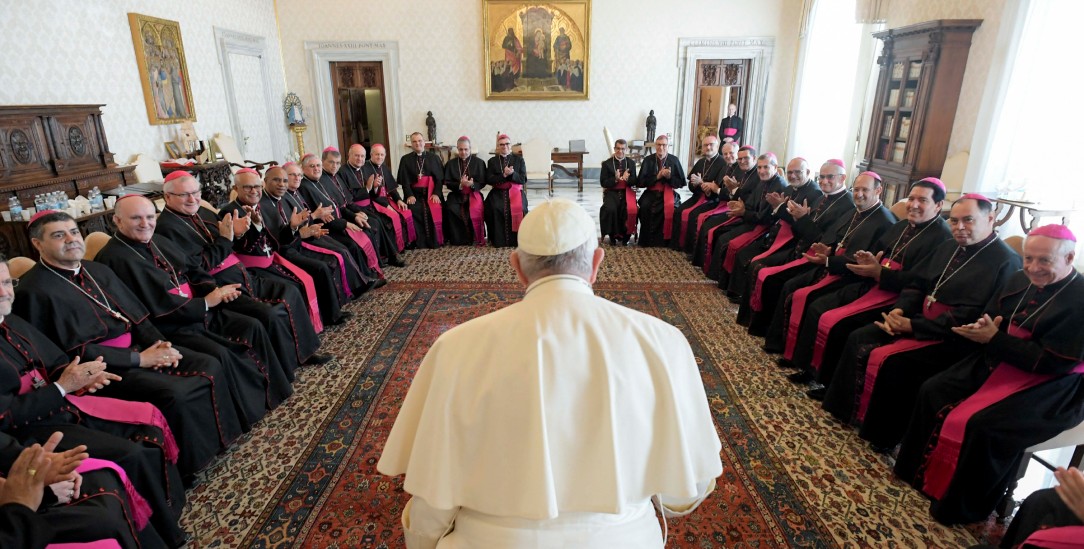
797, 172
135, 218
355, 155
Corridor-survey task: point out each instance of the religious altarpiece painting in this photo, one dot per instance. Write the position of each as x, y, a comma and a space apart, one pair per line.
163, 71
536, 50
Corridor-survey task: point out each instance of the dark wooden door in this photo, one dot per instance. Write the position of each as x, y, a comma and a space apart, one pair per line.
361, 113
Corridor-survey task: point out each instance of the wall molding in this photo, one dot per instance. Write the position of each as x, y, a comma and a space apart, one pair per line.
690, 50
230, 41
322, 53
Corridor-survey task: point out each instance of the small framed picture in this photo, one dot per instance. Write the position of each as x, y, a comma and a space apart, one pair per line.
173, 150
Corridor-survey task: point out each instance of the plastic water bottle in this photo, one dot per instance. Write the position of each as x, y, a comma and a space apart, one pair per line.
97, 203
16, 209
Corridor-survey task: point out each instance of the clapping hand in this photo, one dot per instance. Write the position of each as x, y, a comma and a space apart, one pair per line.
818, 253
298, 218
894, 323
980, 331
160, 355
796, 210
868, 265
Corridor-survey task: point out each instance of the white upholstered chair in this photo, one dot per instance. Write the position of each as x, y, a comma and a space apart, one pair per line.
536, 155
18, 266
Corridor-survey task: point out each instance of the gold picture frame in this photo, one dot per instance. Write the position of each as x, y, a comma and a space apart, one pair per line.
173, 150
536, 50
163, 71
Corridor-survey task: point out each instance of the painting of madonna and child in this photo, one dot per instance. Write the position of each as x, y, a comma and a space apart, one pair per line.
537, 51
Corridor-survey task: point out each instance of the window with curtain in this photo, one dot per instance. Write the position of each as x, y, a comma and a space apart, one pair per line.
826, 95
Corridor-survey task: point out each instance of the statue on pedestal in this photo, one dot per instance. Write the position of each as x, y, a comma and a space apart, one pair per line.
651, 125
431, 126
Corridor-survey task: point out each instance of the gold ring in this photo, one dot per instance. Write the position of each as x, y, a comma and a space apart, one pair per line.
32, 472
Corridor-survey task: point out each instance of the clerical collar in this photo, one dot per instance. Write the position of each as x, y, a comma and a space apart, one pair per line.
870, 209
841, 189
353, 167
69, 272
1059, 284
982, 243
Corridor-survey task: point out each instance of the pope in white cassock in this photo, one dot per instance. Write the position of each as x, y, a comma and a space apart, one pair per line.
556, 421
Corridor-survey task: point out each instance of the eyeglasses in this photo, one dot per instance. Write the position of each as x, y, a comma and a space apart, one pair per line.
795, 172
828, 177
503, 144
186, 195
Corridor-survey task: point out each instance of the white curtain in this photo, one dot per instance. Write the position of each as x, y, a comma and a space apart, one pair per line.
825, 91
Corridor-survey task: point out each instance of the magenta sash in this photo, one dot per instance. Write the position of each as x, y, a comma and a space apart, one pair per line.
436, 210
706, 266
756, 300
339, 258
875, 298
1062, 537
740, 242
99, 544
141, 510
118, 411
362, 240
185, 288
515, 202
797, 309
396, 224
685, 219
720, 209
307, 283
123, 341
879, 355
784, 236
230, 261
477, 212
408, 220
730, 132
667, 208
1005, 381
363, 203
631, 208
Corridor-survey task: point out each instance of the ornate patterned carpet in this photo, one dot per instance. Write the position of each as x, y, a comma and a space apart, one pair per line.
306, 477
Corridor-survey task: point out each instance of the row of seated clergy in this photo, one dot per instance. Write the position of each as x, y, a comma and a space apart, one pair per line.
410, 208
192, 337
873, 310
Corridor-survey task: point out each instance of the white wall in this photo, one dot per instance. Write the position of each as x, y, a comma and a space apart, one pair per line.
80, 51
633, 65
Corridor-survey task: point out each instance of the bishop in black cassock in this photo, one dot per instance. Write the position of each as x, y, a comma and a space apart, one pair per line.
384, 196
617, 216
464, 208
364, 198
739, 181
752, 212
713, 203
421, 175
506, 204
660, 175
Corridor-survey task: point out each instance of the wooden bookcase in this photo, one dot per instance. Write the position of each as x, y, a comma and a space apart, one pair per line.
918, 89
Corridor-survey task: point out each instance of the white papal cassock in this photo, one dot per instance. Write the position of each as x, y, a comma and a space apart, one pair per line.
552, 423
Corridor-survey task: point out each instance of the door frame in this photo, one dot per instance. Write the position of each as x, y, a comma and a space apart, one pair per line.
231, 41
691, 50
323, 53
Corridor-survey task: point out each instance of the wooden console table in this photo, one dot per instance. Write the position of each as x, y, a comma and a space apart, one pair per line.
564, 156
215, 178
1033, 209
14, 232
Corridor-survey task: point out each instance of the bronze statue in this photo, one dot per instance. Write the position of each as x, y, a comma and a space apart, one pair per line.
651, 125
431, 126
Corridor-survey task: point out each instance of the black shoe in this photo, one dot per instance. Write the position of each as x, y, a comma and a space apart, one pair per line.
733, 297
801, 377
784, 363
817, 394
316, 360
881, 449
772, 350
343, 317
378, 283
397, 262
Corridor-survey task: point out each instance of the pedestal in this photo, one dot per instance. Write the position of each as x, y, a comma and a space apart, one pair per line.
299, 131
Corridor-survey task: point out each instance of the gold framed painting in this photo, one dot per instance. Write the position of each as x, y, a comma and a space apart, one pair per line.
163, 71
536, 50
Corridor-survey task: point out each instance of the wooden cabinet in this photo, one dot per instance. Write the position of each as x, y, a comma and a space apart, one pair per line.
46, 148
918, 89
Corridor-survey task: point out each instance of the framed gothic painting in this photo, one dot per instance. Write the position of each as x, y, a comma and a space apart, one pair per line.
536, 50
163, 71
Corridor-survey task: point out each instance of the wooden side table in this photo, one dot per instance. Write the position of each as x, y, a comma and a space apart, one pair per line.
1032, 209
564, 156
19, 241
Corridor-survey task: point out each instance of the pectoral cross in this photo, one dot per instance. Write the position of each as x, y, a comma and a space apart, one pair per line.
266, 249
930, 300
38, 381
